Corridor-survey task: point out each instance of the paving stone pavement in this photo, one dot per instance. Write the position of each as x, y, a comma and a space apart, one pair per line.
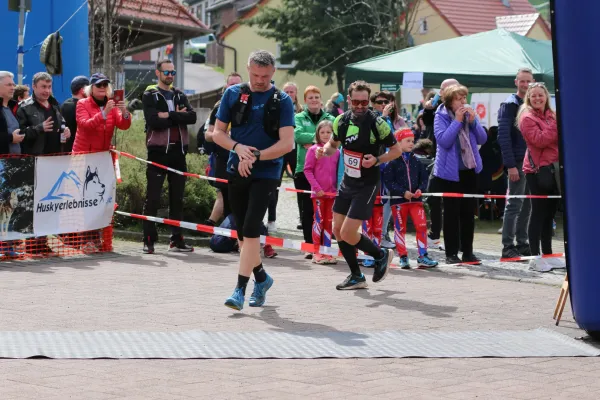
126, 290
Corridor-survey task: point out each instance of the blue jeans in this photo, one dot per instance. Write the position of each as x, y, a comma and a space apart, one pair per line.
516, 213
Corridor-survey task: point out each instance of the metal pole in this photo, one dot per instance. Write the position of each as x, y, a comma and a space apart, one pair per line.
21, 41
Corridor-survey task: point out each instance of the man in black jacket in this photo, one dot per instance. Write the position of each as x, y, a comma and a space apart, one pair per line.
168, 113
40, 119
69, 108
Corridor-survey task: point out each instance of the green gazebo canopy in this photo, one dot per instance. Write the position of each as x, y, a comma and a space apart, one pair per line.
484, 60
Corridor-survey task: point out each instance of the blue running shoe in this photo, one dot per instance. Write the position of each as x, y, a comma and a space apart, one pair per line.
353, 282
259, 294
425, 262
382, 266
368, 263
404, 263
236, 300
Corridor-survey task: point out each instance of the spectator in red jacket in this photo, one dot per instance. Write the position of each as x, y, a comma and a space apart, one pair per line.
537, 122
98, 115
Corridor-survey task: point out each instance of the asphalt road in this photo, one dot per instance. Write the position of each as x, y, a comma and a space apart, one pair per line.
201, 78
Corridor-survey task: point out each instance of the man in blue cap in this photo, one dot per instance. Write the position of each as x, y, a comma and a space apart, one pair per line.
69, 107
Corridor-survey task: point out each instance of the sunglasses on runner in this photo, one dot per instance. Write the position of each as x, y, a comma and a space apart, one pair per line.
101, 85
357, 103
167, 73
386, 102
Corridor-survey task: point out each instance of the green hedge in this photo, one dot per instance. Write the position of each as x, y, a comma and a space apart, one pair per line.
131, 193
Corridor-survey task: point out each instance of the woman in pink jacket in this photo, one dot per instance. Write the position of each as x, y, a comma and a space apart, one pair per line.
537, 122
322, 176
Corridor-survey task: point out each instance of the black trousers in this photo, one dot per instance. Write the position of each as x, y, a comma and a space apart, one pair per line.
175, 159
435, 208
459, 213
543, 212
306, 217
288, 159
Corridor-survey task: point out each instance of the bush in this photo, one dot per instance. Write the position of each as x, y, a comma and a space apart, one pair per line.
198, 198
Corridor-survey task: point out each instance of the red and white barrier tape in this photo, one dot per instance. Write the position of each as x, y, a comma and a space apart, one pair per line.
283, 189
293, 244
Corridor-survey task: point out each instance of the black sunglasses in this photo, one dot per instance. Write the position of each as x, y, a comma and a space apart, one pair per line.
167, 73
101, 85
386, 102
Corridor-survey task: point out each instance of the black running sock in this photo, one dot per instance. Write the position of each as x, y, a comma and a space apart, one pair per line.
349, 253
260, 275
368, 247
243, 282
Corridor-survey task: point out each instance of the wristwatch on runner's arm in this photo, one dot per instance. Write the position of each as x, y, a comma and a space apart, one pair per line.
256, 154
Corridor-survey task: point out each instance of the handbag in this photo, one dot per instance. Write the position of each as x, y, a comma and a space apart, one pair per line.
547, 176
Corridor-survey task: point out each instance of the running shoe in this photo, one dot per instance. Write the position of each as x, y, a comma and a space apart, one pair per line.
382, 266
179, 246
331, 260
404, 263
319, 259
387, 244
524, 250
269, 252
425, 262
556, 263
510, 252
236, 300
434, 243
471, 258
259, 294
368, 263
353, 282
453, 260
539, 265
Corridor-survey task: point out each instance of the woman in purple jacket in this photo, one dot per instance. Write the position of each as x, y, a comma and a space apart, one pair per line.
457, 164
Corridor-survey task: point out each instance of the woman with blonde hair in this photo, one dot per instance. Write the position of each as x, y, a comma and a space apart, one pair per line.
537, 122
457, 164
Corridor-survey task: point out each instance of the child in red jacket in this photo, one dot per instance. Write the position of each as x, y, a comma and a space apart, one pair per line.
405, 178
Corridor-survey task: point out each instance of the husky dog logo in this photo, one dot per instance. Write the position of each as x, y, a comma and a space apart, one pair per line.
92, 186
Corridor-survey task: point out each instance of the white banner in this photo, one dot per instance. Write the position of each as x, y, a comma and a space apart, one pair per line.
412, 80
73, 193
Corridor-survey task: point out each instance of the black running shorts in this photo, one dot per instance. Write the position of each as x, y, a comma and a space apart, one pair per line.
355, 199
249, 199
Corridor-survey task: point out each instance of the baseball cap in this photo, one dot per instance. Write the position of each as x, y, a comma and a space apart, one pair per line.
79, 82
98, 78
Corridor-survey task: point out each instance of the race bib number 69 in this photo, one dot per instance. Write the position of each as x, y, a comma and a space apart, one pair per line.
352, 162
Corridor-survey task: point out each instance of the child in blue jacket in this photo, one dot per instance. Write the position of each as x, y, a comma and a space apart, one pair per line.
406, 178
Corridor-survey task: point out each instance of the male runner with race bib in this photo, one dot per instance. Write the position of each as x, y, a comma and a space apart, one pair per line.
364, 137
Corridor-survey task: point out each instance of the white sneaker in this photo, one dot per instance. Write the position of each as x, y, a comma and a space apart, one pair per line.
271, 227
387, 244
500, 231
434, 244
539, 265
556, 263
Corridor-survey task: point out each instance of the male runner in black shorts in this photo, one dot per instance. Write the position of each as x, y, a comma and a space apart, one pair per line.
363, 136
262, 131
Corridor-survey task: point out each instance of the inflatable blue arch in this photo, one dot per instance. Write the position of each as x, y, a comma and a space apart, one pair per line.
577, 76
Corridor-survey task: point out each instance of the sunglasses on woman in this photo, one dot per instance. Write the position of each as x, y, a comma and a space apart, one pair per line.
101, 85
167, 73
537, 84
380, 102
357, 103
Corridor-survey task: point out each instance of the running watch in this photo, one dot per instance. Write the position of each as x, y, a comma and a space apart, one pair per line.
256, 154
